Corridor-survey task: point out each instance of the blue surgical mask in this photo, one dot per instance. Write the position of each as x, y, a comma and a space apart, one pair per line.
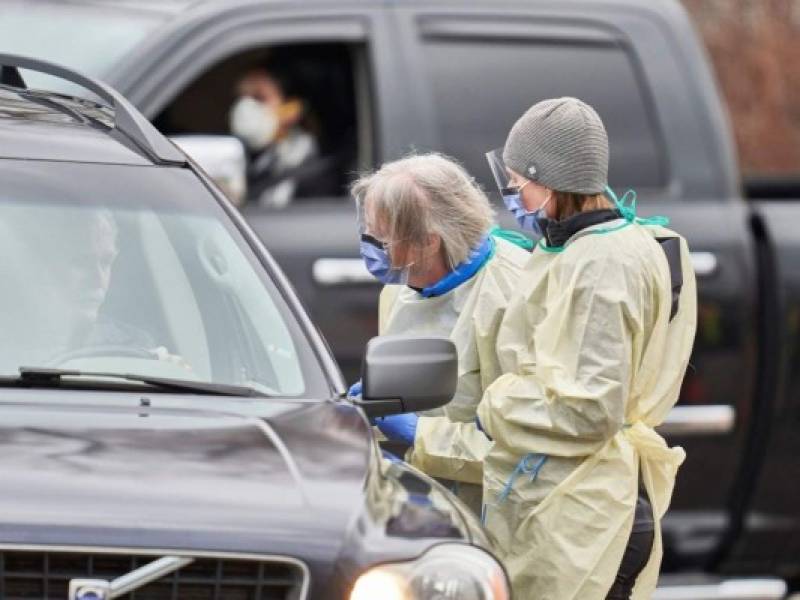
378, 263
529, 220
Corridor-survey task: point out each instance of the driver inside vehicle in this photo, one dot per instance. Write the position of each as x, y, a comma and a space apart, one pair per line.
75, 253
275, 119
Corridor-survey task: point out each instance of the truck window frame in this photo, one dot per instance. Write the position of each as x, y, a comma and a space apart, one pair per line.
466, 27
158, 72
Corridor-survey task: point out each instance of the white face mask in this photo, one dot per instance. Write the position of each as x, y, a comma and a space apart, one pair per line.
255, 123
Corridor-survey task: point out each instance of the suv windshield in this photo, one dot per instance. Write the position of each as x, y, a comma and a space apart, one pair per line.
138, 270
48, 30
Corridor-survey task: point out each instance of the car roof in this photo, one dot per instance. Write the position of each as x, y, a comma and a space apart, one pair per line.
39, 125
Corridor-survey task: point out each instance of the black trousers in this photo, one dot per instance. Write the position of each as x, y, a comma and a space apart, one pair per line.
637, 552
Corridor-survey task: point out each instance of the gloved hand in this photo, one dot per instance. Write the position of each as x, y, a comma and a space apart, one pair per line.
399, 428
355, 390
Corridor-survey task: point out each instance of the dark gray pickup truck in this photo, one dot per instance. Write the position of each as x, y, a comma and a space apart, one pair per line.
453, 75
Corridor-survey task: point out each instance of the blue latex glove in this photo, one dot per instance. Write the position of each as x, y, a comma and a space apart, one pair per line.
355, 390
399, 428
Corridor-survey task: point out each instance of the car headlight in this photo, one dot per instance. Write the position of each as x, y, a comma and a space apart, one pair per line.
446, 572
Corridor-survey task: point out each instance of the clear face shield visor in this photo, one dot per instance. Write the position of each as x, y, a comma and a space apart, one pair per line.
502, 176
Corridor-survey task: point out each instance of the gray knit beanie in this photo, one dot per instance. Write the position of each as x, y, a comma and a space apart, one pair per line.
562, 144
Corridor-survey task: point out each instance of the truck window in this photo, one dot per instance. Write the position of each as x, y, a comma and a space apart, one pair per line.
300, 110
481, 87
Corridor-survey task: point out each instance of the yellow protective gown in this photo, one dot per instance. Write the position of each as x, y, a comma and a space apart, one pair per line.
592, 363
448, 445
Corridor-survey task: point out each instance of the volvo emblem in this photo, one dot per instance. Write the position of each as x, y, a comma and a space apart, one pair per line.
89, 589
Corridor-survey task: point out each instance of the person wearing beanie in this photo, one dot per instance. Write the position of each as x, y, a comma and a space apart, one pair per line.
593, 348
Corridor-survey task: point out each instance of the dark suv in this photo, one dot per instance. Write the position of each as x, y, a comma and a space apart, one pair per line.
171, 424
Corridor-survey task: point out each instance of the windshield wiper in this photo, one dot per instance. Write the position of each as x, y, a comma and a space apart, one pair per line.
41, 376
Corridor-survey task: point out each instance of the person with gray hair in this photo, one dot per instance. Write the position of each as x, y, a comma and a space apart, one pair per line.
427, 232
593, 347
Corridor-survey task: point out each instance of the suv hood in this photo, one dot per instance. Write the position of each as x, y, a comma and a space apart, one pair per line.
164, 478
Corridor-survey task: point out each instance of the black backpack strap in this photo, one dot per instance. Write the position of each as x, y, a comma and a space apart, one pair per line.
672, 249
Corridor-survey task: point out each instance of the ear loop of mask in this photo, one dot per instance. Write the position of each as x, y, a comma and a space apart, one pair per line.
378, 262
529, 220
376, 254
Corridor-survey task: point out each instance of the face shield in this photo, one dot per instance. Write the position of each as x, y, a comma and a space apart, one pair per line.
528, 220
376, 250
502, 176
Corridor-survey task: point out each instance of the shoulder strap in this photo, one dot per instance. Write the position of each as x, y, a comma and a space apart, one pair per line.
672, 249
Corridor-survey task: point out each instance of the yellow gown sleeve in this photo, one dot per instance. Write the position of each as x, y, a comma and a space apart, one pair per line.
450, 450
454, 448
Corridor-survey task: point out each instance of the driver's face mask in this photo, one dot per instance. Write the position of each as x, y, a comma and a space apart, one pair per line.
254, 122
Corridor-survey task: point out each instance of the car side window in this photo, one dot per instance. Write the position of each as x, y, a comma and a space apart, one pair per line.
299, 111
481, 86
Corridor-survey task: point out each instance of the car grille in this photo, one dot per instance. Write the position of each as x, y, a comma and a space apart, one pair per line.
25, 575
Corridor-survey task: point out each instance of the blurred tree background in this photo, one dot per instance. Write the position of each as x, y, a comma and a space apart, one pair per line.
755, 48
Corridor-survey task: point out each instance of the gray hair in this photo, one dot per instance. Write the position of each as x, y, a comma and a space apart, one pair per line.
426, 194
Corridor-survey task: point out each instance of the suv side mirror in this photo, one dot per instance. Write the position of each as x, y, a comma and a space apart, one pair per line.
407, 374
222, 157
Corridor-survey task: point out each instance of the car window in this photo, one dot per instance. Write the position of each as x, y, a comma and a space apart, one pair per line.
47, 30
299, 111
142, 272
481, 87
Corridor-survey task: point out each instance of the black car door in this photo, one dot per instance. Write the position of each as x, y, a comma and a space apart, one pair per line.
482, 67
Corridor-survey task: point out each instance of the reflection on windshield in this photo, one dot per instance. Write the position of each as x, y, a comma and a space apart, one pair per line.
48, 30
126, 290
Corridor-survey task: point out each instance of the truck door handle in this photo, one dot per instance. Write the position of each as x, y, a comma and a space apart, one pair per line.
709, 419
705, 263
330, 272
